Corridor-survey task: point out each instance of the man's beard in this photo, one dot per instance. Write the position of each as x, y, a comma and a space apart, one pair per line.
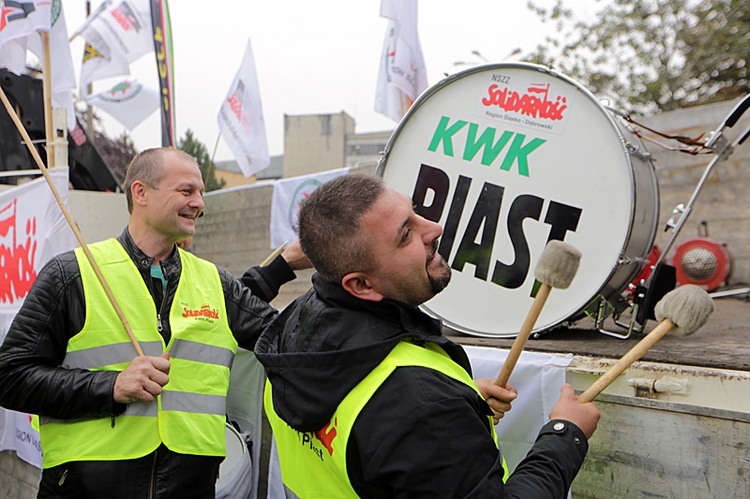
437, 284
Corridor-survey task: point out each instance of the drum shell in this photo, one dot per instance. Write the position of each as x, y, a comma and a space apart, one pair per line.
613, 184
236, 471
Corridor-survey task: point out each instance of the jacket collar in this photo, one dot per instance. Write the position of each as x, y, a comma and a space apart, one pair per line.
171, 266
408, 318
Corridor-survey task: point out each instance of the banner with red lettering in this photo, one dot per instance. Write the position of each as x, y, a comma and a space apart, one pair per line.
32, 231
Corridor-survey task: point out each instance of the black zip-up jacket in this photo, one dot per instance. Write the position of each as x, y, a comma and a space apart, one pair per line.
54, 311
422, 434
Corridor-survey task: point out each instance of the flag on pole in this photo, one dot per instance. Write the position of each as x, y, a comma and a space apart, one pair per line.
115, 37
99, 62
128, 102
20, 19
63, 75
402, 75
19, 27
162, 39
241, 119
19, 22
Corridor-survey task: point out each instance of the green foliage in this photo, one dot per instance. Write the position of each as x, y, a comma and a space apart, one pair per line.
648, 56
196, 149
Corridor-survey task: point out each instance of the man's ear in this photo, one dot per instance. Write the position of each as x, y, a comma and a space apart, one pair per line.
138, 192
359, 286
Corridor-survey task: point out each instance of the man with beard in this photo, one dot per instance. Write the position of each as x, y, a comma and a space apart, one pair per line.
366, 397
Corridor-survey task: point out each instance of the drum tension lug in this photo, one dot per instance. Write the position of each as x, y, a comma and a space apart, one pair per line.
616, 311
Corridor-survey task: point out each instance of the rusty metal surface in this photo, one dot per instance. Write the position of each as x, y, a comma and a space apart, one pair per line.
723, 343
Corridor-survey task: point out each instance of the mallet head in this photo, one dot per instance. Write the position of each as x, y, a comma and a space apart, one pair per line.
688, 306
558, 264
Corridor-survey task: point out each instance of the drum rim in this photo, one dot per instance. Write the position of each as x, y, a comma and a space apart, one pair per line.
625, 151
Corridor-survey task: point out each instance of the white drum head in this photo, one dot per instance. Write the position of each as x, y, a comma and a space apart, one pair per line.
506, 157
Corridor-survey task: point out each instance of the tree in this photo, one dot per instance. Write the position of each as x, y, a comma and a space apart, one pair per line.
196, 149
117, 154
648, 56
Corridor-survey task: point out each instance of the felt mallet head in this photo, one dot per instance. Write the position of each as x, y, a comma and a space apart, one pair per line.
688, 307
685, 310
558, 264
556, 268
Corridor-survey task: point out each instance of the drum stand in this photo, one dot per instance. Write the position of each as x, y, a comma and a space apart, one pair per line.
662, 277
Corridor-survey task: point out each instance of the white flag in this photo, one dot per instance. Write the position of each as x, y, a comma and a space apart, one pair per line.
61, 60
13, 55
288, 197
96, 65
128, 102
20, 19
241, 119
115, 37
402, 75
24, 36
32, 231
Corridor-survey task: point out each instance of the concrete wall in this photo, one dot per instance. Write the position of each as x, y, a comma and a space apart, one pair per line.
18, 479
99, 215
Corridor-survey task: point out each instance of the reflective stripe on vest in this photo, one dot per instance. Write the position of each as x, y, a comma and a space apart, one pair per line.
189, 415
313, 465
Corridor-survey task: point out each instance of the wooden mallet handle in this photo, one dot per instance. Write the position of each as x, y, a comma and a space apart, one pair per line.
523, 335
556, 268
627, 360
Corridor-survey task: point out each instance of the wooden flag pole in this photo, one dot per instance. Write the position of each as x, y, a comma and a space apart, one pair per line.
71, 222
49, 129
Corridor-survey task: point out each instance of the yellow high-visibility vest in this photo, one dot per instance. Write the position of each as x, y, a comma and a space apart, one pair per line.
189, 416
313, 465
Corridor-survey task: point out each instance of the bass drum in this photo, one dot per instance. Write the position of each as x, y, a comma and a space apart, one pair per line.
236, 471
507, 157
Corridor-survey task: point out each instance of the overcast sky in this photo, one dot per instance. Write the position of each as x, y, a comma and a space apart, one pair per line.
312, 57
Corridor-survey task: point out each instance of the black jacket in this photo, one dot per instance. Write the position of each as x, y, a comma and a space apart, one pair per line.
54, 311
422, 434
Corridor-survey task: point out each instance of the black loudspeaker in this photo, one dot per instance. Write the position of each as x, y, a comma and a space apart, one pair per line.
88, 171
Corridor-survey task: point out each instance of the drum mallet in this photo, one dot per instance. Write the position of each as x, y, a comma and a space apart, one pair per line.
685, 309
556, 268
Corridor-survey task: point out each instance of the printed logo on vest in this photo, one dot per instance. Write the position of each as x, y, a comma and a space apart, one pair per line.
203, 313
326, 436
